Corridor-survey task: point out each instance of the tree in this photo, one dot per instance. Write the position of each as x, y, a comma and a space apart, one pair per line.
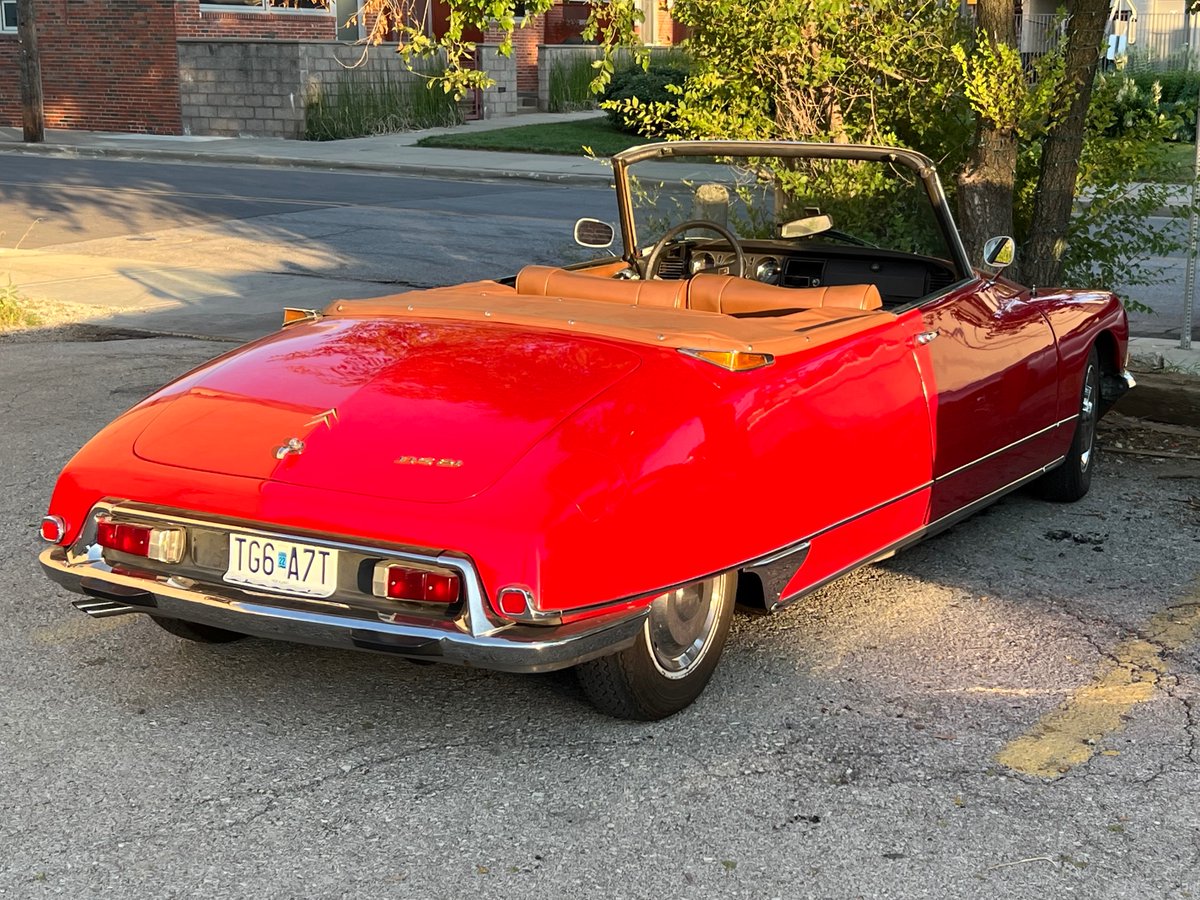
1018, 149
401, 22
33, 116
1063, 144
993, 82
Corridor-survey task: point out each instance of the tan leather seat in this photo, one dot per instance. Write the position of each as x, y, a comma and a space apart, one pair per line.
730, 295
548, 281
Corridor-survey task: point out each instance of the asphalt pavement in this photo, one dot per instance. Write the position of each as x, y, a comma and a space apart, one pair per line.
1008, 710
883, 739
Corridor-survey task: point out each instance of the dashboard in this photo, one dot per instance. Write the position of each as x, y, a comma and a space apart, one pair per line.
902, 278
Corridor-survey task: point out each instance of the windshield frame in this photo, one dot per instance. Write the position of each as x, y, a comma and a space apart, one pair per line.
922, 165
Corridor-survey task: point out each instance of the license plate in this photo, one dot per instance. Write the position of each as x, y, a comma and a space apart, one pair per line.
284, 566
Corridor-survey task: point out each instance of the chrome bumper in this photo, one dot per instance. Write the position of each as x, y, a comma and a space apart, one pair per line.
508, 648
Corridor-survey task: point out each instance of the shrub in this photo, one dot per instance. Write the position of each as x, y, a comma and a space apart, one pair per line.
647, 86
13, 310
1124, 106
364, 103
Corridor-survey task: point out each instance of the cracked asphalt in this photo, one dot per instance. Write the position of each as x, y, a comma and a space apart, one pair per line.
846, 748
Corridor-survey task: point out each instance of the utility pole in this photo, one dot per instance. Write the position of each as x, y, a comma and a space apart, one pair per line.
33, 114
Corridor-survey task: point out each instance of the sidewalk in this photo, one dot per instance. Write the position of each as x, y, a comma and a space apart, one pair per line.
394, 153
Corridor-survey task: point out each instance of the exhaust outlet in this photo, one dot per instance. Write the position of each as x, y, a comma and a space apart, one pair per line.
101, 609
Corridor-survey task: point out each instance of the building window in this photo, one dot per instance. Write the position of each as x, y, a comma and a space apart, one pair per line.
8, 15
320, 6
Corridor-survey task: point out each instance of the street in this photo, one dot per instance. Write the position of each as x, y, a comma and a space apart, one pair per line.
220, 250
925, 727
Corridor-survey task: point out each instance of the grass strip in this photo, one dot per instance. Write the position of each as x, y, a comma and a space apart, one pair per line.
561, 138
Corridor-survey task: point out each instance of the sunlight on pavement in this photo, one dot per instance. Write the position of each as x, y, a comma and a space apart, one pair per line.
1073, 733
77, 628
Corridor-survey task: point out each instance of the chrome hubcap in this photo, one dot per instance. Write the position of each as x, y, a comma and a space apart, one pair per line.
681, 625
1087, 419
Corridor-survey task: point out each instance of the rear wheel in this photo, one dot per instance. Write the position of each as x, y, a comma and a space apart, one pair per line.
193, 631
673, 658
1071, 480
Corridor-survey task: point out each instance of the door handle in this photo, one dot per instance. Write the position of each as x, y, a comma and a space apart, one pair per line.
923, 338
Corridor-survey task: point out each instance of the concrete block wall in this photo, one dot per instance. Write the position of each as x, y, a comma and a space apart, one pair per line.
258, 88
501, 98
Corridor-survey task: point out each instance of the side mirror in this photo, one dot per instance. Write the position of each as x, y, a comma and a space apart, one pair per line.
999, 252
594, 233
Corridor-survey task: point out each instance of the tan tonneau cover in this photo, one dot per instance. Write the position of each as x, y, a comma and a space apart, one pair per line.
490, 301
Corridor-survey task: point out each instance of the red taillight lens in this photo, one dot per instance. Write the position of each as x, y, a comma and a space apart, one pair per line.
125, 538
162, 544
54, 529
396, 582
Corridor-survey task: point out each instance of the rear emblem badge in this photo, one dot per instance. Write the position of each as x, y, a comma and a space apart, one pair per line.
294, 445
429, 461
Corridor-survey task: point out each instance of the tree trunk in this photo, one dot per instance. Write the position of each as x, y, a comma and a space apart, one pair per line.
33, 116
1061, 150
985, 186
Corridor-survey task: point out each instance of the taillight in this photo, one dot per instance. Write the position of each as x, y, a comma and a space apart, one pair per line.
161, 544
54, 529
400, 582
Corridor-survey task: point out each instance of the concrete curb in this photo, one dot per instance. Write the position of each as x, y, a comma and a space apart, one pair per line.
68, 151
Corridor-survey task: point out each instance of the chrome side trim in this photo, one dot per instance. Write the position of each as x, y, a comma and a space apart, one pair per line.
913, 537
1007, 447
774, 572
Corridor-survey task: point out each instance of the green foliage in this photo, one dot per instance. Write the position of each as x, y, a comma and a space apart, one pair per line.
364, 103
570, 82
1123, 177
13, 310
1177, 92
632, 87
1122, 106
871, 70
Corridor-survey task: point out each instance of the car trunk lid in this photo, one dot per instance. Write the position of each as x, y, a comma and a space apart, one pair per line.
429, 411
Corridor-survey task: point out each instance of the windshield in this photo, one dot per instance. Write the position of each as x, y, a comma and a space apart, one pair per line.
882, 204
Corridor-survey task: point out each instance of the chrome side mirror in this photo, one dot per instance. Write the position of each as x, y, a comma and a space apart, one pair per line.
594, 233
999, 252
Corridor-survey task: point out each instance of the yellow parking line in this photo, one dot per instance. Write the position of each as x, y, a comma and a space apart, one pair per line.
1073, 733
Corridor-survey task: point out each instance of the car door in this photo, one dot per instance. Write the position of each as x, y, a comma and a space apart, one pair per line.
989, 362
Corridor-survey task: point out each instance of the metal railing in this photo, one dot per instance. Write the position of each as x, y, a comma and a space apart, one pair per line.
1158, 41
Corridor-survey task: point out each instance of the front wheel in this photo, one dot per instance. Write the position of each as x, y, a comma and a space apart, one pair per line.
674, 656
1071, 480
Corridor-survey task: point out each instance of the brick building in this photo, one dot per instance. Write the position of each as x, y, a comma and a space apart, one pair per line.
115, 65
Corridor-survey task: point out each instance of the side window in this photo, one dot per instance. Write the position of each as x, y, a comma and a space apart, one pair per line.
8, 15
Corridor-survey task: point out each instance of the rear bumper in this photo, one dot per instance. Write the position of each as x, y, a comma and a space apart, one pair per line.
504, 647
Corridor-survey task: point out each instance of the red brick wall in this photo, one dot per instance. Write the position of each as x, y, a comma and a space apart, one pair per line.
10, 86
107, 65
525, 51
193, 22
565, 21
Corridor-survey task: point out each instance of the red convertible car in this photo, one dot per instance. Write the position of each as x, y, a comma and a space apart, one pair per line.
790, 370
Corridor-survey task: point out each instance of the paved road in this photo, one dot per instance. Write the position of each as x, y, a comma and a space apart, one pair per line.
847, 748
75, 201
218, 251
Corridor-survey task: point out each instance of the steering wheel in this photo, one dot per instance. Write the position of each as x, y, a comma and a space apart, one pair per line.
739, 255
